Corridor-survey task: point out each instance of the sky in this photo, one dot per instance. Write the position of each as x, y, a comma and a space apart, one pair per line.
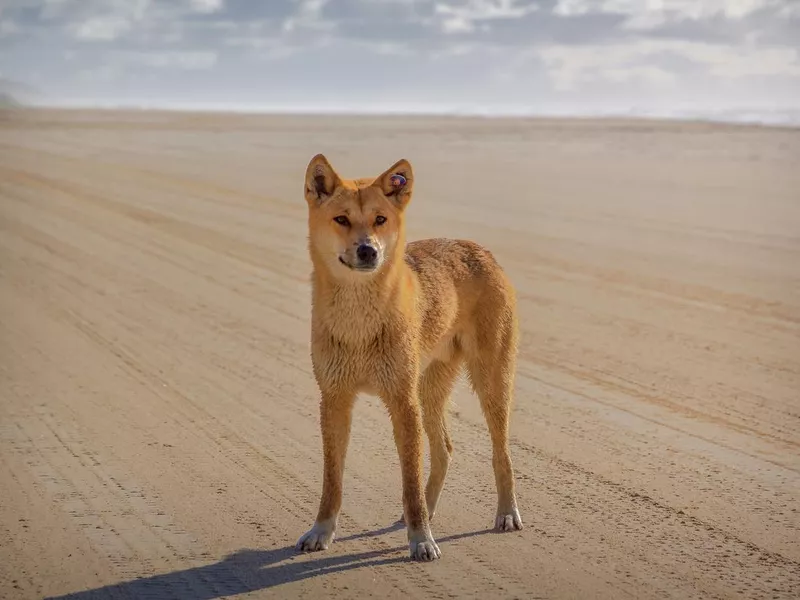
544, 56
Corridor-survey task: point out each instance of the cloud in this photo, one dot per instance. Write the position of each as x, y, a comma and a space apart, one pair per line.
102, 74
192, 61
464, 17
572, 67
737, 63
8, 28
110, 20
271, 48
207, 6
464, 49
102, 28
308, 16
387, 48
790, 11
95, 21
646, 14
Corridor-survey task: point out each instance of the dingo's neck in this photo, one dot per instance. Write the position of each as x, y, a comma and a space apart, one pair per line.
357, 308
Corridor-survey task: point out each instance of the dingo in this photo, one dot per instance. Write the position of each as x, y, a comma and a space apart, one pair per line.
398, 321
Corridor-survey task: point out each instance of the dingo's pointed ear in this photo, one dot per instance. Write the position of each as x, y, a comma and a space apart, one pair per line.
397, 183
321, 180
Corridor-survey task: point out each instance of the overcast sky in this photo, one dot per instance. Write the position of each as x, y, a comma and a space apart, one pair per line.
545, 55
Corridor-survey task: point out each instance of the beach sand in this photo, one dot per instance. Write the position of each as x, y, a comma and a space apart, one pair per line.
159, 428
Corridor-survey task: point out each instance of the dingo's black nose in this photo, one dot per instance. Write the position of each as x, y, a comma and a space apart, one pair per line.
366, 254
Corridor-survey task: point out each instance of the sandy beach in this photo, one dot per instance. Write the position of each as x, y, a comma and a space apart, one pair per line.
159, 429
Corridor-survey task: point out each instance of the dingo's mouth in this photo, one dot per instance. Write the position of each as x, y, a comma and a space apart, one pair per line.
361, 268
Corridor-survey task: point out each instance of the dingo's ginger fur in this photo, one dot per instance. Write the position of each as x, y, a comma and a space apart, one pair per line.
399, 321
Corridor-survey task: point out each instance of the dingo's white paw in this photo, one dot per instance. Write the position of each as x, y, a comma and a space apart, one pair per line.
508, 522
424, 549
319, 537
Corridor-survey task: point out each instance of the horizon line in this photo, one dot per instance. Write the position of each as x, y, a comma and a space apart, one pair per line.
775, 117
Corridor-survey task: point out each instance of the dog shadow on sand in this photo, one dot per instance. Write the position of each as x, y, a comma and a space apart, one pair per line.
254, 570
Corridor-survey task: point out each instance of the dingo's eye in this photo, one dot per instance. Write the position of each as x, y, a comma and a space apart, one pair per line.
380, 220
342, 220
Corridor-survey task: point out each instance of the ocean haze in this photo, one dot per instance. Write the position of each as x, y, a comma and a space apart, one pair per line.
728, 60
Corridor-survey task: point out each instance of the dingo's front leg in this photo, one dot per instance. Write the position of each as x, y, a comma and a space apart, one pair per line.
336, 411
407, 423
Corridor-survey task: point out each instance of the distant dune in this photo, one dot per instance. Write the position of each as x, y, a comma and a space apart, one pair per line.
16, 93
8, 101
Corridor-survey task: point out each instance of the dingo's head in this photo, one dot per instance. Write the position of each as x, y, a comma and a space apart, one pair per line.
356, 226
